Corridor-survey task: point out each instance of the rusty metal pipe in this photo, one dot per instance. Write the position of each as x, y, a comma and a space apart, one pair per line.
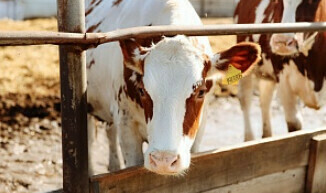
37, 38
71, 18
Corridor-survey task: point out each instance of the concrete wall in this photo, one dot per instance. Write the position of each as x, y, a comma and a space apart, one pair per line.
214, 8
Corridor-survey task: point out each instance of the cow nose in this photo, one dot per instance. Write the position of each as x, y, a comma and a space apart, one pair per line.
164, 162
283, 40
283, 44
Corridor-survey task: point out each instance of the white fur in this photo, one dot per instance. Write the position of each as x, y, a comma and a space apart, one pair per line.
290, 8
259, 16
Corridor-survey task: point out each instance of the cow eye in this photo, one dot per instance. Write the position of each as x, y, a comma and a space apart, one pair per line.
201, 93
141, 92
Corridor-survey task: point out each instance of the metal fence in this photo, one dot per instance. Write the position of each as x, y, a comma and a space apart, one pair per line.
74, 41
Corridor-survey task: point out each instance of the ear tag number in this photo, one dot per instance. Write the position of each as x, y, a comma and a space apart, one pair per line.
232, 77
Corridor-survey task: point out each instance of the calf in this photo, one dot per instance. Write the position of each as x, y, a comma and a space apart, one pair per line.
293, 61
153, 90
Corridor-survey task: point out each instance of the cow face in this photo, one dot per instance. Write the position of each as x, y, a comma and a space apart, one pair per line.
172, 79
292, 43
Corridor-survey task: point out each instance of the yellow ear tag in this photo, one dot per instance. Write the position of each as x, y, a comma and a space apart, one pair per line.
232, 76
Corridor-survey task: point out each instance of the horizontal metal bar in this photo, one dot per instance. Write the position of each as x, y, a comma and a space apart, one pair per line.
37, 38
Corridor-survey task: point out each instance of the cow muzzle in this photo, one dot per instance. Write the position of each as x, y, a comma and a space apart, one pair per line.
165, 163
284, 44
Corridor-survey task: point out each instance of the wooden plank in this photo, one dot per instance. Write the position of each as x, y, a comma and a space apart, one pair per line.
316, 178
218, 168
290, 181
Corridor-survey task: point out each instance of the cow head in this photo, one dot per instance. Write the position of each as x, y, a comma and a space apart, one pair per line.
172, 79
296, 11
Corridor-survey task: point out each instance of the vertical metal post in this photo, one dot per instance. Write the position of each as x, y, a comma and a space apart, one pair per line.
202, 8
71, 18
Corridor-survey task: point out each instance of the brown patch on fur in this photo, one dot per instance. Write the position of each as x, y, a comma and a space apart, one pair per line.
100, 1
116, 3
207, 66
147, 104
92, 6
128, 47
310, 11
132, 88
245, 11
194, 107
88, 11
194, 104
93, 27
209, 85
90, 64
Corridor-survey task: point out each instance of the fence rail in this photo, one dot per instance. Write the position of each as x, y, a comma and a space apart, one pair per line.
61, 38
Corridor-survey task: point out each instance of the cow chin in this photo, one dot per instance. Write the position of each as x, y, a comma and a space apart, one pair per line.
166, 162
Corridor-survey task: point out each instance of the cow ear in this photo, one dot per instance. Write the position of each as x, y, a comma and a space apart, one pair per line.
133, 55
243, 56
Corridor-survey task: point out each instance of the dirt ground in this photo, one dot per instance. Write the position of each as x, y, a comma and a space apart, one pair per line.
30, 135
30, 132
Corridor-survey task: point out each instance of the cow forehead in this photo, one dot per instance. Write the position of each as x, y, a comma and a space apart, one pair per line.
172, 67
290, 7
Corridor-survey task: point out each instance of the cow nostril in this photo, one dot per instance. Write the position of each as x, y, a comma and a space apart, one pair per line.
152, 160
175, 161
290, 43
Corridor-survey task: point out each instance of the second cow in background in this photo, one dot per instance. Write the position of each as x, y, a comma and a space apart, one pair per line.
293, 61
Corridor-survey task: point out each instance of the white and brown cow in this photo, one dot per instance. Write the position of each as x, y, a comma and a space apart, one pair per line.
295, 62
153, 90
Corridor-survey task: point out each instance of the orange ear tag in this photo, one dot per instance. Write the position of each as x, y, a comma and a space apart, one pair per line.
232, 76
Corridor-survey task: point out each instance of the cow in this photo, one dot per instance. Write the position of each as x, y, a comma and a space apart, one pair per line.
295, 62
153, 89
